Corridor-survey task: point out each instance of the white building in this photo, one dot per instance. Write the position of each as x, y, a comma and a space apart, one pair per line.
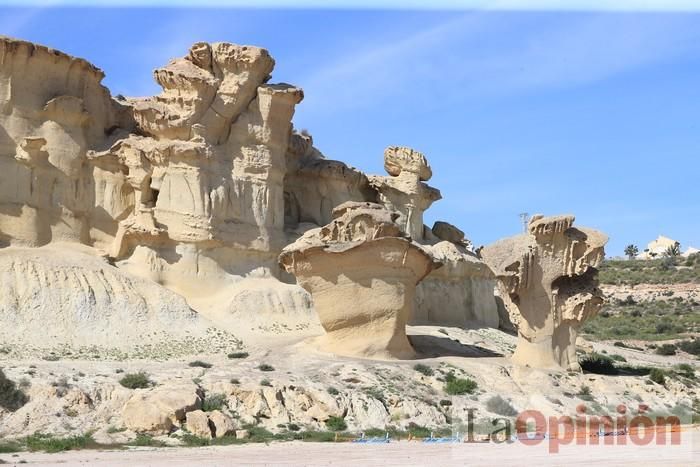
690, 251
658, 247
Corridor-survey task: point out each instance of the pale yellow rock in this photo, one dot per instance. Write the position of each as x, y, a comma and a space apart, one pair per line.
221, 424
197, 423
159, 410
460, 293
404, 191
361, 273
548, 283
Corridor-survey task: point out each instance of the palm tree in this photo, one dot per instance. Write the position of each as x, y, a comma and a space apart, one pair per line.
631, 251
673, 251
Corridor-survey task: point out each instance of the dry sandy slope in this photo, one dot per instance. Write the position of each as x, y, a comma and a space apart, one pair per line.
393, 454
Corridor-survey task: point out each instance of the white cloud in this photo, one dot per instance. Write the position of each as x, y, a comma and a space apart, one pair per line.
497, 54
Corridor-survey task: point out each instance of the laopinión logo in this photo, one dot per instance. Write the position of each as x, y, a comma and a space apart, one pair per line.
637, 427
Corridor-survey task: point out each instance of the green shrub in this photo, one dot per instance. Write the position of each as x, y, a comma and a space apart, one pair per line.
690, 346
235, 381
618, 358
459, 386
445, 403
333, 391
258, 434
424, 369
293, 427
194, 441
265, 367
585, 393
666, 349
657, 375
598, 363
214, 402
265, 382
336, 424
684, 369
146, 440
136, 381
47, 443
200, 364
317, 436
11, 398
418, 431
7, 447
238, 355
499, 405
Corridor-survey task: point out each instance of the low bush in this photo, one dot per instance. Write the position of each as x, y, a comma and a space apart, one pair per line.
685, 369
333, 391
200, 364
238, 355
598, 363
336, 424
585, 393
424, 369
265, 367
657, 375
459, 386
136, 381
146, 440
418, 431
499, 405
214, 402
691, 346
7, 447
666, 349
48, 443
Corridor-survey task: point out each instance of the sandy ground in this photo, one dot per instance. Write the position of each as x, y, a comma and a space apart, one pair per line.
392, 454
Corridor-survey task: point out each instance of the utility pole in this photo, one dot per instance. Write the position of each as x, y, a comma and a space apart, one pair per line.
525, 219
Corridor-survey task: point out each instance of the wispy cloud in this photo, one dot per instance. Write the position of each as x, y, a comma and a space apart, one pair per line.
467, 57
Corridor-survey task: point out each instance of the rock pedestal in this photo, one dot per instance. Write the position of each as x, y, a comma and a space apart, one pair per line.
362, 275
547, 279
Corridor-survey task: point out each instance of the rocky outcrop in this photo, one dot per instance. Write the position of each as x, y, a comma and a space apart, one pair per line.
194, 191
185, 189
403, 190
159, 410
547, 280
460, 293
62, 294
314, 185
361, 272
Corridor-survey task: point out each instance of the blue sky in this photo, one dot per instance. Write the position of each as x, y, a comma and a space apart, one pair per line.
591, 113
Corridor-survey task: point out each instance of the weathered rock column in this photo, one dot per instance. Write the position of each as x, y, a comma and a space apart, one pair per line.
404, 190
547, 280
362, 274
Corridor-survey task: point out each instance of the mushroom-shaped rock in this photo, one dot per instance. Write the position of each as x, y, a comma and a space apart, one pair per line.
547, 279
362, 275
398, 159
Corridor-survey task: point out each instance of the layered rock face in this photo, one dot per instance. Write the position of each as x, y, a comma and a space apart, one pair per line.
547, 280
195, 190
184, 189
362, 273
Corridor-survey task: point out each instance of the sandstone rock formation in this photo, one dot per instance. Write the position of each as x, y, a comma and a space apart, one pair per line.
159, 410
361, 273
185, 200
547, 280
404, 191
